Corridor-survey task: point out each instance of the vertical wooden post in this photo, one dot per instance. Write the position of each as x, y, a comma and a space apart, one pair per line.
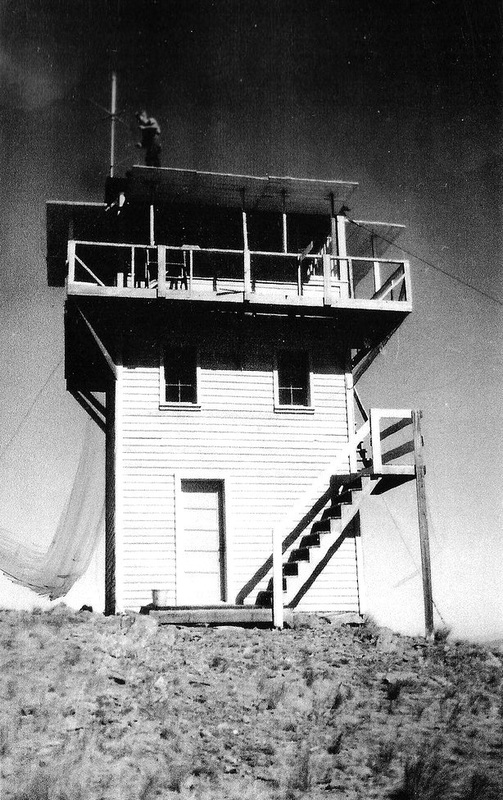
344, 270
376, 267
350, 412
246, 259
161, 270
113, 117
191, 268
375, 439
71, 261
327, 280
277, 578
285, 228
152, 224
423, 522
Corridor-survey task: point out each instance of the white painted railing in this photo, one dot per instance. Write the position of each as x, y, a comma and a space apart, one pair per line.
214, 270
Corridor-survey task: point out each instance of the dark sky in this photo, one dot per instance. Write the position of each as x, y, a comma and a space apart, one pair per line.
404, 97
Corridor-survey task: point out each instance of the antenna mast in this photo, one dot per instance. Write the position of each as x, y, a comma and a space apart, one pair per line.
113, 115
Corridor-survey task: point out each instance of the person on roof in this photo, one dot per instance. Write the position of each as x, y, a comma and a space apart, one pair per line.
150, 138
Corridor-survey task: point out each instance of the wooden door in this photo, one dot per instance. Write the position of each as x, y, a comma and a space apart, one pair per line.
202, 543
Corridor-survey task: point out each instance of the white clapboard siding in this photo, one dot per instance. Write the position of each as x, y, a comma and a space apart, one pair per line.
268, 461
336, 588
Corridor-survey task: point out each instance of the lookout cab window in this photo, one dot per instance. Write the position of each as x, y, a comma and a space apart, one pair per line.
293, 378
180, 375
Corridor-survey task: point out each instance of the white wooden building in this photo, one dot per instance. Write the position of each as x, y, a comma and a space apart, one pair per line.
226, 320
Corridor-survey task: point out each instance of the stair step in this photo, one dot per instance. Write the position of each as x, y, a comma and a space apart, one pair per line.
291, 568
348, 482
344, 498
264, 599
271, 582
322, 526
311, 540
332, 512
300, 554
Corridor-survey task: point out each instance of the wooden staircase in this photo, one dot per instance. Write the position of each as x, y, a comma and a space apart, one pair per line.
306, 560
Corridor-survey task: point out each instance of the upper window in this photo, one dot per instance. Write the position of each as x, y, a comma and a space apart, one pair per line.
293, 378
180, 375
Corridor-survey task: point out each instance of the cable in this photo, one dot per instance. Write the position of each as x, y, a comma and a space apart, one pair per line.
395, 523
417, 570
28, 411
430, 264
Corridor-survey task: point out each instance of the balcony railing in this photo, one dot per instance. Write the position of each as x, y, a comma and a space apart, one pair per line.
216, 272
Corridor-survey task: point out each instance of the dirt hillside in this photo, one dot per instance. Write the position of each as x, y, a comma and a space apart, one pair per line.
96, 708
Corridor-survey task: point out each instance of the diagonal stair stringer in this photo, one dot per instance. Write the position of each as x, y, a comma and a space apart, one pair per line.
307, 561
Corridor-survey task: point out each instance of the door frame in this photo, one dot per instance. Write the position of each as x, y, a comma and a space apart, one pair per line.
226, 573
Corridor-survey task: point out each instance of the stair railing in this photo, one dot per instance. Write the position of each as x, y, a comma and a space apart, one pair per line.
382, 461
307, 509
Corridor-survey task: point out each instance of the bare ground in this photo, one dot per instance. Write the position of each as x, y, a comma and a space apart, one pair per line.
96, 708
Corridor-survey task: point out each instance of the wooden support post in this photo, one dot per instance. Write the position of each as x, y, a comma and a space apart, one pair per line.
152, 224
277, 579
285, 228
376, 266
345, 273
423, 522
246, 259
191, 268
113, 118
327, 280
71, 261
161, 271
350, 412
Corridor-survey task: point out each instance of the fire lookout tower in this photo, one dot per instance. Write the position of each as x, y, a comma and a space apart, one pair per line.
227, 319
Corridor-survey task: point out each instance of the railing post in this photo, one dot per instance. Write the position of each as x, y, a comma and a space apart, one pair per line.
277, 579
152, 224
246, 257
191, 268
161, 270
71, 261
327, 280
350, 415
377, 275
375, 438
408, 285
342, 252
247, 274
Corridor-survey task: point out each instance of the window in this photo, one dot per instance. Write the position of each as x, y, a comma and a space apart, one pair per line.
180, 375
293, 378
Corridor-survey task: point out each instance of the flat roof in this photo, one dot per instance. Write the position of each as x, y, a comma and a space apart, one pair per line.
268, 193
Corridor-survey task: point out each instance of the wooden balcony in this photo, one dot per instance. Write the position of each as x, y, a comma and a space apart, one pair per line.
261, 279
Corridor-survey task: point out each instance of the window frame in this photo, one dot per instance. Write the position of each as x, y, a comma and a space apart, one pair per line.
184, 405
284, 408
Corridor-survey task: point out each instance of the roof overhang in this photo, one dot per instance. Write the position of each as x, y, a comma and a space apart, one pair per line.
270, 193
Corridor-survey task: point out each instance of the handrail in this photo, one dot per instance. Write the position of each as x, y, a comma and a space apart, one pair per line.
380, 460
334, 270
198, 248
305, 510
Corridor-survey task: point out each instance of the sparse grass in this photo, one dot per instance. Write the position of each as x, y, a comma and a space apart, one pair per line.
425, 777
382, 756
113, 708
